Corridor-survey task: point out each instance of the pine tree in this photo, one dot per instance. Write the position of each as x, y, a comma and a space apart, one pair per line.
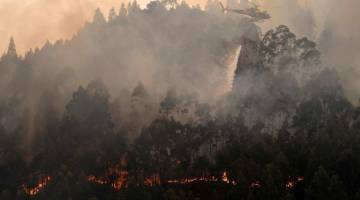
122, 11
98, 17
112, 15
133, 7
139, 91
12, 48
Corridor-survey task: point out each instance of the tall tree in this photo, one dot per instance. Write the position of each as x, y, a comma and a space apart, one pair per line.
98, 17
90, 107
122, 11
112, 15
324, 186
12, 48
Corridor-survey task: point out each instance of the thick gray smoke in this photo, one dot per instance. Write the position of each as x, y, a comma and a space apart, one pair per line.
333, 25
158, 46
162, 47
339, 40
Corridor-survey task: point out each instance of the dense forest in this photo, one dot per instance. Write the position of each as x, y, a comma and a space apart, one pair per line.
139, 105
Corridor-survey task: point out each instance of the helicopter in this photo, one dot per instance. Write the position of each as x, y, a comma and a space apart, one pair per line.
253, 12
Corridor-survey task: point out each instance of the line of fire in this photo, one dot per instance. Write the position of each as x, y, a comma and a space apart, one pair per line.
118, 178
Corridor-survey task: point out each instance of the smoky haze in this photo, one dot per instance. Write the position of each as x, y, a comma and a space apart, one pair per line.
332, 24
161, 48
167, 93
32, 22
157, 47
329, 22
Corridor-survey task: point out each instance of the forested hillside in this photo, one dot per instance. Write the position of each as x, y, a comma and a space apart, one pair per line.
138, 105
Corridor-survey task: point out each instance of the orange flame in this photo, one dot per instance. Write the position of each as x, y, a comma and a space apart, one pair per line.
224, 178
114, 176
152, 180
97, 180
292, 182
117, 184
120, 181
40, 185
192, 179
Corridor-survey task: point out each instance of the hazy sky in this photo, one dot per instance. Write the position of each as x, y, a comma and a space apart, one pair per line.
32, 22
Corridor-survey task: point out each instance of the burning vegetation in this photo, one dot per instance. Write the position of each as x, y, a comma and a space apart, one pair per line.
284, 130
116, 178
291, 183
40, 185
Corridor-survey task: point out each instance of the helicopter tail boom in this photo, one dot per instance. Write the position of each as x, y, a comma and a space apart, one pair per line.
222, 7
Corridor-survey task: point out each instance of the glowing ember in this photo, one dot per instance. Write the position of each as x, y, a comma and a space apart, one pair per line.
255, 184
192, 179
117, 179
120, 182
94, 179
292, 182
152, 180
40, 185
225, 178
117, 184
115, 176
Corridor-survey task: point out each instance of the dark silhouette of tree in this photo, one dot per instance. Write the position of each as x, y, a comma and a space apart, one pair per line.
112, 15
139, 91
324, 186
90, 107
99, 17
122, 11
12, 48
277, 42
133, 8
170, 100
